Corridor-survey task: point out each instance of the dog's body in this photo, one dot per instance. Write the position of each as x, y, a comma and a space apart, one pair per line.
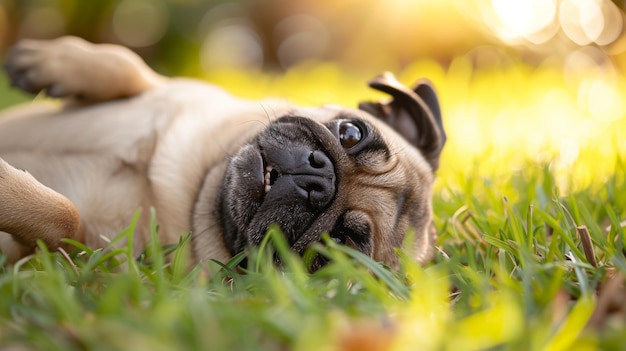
221, 167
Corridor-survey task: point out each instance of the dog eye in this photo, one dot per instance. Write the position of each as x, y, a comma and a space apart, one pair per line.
349, 134
352, 228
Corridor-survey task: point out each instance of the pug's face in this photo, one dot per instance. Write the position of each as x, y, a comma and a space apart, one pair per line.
362, 176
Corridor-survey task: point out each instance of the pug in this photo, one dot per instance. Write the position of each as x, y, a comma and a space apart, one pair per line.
124, 138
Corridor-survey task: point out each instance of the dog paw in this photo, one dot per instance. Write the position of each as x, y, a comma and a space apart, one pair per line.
37, 65
72, 67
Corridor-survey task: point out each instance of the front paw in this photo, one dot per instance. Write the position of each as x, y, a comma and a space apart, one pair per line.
37, 65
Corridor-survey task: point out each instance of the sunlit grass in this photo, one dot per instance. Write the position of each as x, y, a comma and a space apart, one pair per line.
8, 95
529, 160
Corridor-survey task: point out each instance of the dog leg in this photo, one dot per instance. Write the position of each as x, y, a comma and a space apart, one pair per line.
70, 67
30, 211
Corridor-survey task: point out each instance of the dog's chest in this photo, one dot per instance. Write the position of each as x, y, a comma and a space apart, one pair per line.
97, 157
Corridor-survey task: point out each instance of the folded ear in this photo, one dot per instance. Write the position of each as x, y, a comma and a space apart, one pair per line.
413, 113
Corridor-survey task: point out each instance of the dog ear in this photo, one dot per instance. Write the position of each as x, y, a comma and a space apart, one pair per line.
413, 113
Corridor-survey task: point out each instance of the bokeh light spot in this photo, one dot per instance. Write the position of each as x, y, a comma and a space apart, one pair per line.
43, 22
232, 45
538, 21
301, 37
613, 23
591, 19
587, 21
140, 23
569, 17
521, 19
601, 99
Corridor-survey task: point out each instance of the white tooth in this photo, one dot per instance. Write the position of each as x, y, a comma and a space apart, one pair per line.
267, 178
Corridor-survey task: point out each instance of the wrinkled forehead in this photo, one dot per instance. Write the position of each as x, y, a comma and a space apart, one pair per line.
327, 113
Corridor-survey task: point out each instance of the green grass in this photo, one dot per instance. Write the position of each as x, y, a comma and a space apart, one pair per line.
507, 276
510, 273
8, 95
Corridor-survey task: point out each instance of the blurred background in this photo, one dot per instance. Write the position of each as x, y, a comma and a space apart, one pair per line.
194, 36
518, 80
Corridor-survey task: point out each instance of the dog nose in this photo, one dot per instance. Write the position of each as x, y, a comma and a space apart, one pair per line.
313, 176
317, 180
